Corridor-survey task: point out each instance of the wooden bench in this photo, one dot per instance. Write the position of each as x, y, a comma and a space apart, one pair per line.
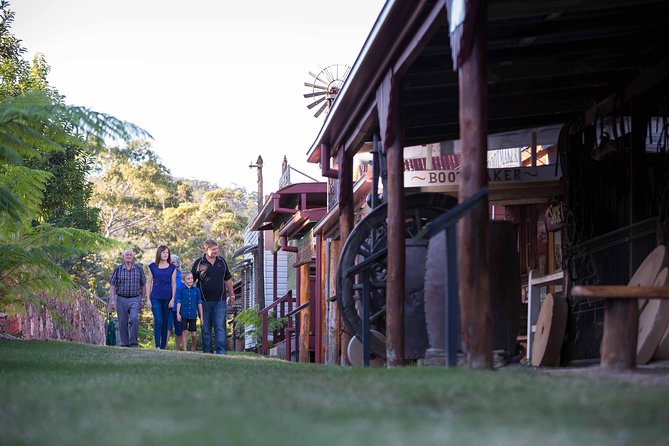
621, 319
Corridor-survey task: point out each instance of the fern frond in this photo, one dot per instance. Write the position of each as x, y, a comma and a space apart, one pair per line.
11, 205
63, 240
34, 123
26, 273
21, 193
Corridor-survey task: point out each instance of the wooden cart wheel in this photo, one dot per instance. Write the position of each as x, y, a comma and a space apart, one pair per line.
662, 351
653, 321
650, 267
646, 273
367, 238
551, 326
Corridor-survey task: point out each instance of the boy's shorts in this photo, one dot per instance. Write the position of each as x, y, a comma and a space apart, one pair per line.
189, 324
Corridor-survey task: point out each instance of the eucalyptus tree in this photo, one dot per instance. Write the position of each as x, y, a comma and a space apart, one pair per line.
132, 188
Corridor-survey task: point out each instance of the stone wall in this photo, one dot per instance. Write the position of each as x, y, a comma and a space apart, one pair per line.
75, 320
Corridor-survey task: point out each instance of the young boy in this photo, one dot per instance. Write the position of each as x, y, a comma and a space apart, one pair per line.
189, 307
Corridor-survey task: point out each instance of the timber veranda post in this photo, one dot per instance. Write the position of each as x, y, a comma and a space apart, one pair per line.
345, 227
474, 273
396, 244
305, 314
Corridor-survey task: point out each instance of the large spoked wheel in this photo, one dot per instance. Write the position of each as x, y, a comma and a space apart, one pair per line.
368, 237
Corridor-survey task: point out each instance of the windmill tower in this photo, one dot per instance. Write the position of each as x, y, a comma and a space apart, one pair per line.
324, 87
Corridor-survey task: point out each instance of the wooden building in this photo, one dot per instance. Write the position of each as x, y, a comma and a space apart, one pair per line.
440, 72
287, 218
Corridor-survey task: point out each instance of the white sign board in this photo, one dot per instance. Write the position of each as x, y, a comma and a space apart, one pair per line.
511, 175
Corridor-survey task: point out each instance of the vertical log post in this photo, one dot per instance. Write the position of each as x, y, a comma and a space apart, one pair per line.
621, 325
319, 303
475, 311
345, 227
333, 349
305, 314
390, 123
396, 254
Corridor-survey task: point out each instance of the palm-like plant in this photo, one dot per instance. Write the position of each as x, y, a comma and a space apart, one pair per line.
30, 126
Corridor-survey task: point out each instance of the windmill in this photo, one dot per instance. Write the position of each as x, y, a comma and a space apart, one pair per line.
325, 86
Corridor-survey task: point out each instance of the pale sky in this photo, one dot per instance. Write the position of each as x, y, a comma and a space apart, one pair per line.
216, 82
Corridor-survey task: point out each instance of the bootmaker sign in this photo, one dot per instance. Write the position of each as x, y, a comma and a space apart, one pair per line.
424, 178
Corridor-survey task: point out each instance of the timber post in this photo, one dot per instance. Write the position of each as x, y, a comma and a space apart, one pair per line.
345, 227
396, 244
474, 295
305, 314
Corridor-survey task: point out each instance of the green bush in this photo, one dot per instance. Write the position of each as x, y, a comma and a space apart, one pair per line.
251, 320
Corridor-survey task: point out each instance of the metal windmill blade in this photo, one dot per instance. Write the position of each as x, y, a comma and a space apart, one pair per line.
320, 87
316, 102
325, 86
315, 76
318, 93
320, 110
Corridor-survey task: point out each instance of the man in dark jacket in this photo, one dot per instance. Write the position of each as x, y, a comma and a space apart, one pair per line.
213, 277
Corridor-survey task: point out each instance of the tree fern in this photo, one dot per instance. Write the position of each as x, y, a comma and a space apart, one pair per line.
22, 189
31, 125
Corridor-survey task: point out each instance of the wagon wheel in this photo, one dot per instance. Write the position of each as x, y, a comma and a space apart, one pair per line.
369, 237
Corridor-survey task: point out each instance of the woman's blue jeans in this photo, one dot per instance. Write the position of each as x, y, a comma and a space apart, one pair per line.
161, 313
214, 315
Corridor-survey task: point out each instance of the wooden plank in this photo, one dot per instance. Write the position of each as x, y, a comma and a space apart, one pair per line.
550, 279
619, 292
475, 309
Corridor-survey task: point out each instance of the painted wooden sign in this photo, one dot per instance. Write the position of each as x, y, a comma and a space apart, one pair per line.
509, 175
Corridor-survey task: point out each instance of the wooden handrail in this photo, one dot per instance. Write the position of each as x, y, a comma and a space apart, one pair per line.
274, 304
264, 313
620, 292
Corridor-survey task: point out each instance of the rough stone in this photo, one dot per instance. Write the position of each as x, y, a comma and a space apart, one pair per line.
75, 320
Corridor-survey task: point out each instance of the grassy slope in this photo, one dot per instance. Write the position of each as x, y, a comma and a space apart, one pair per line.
62, 393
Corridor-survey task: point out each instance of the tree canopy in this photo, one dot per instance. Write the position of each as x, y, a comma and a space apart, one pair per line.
74, 182
35, 125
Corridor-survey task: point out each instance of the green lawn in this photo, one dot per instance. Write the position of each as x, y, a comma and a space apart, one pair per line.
58, 393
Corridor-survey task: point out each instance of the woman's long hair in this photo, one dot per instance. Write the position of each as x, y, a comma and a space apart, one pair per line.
159, 251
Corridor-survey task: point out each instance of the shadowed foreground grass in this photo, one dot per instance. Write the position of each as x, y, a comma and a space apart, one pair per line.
59, 393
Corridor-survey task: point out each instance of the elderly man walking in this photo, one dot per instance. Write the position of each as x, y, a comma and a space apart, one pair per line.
212, 276
128, 286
